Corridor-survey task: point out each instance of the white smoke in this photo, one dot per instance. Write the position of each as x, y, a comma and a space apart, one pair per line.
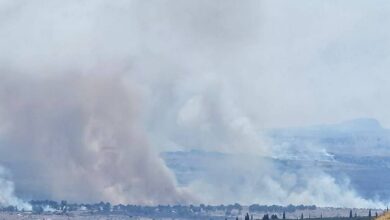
215, 122
248, 180
192, 74
7, 193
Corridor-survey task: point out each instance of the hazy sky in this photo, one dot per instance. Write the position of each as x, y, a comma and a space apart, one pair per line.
281, 63
203, 74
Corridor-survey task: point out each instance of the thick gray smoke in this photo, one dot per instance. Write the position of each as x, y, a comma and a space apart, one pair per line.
79, 138
202, 74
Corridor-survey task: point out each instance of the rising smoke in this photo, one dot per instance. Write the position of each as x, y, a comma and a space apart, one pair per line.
7, 192
79, 138
90, 91
215, 122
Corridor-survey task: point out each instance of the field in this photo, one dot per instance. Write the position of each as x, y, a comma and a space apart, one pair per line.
385, 216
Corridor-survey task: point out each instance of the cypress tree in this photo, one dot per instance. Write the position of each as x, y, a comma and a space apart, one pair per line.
247, 216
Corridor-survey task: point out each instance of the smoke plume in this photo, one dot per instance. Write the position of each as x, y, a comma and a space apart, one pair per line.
79, 138
7, 193
91, 91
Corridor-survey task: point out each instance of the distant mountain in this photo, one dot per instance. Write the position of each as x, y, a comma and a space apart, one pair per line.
358, 149
361, 137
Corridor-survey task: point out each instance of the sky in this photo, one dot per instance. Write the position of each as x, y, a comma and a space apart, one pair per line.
143, 77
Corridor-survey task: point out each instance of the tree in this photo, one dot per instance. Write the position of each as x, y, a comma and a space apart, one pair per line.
37, 209
63, 205
106, 207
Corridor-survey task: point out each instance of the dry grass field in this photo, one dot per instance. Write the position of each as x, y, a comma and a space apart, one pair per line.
385, 216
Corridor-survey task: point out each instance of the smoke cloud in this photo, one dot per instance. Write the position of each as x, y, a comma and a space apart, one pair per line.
252, 180
7, 192
78, 138
91, 91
